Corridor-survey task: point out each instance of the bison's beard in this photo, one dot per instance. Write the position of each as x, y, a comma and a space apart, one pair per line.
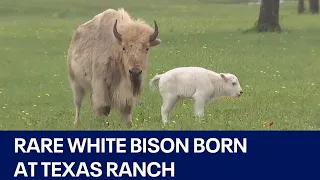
136, 85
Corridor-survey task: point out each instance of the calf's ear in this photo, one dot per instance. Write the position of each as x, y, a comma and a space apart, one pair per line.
155, 43
223, 77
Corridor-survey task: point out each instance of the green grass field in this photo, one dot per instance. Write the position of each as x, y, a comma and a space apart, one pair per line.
279, 73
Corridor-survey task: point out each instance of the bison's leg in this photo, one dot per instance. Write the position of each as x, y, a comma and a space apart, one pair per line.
126, 114
168, 104
99, 99
105, 111
78, 95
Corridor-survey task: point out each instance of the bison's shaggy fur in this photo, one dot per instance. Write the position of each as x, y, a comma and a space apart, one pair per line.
108, 56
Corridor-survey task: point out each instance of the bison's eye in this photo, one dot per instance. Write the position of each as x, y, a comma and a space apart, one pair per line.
147, 49
123, 48
234, 83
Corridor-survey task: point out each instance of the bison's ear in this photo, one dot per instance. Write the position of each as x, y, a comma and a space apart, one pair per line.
155, 43
223, 77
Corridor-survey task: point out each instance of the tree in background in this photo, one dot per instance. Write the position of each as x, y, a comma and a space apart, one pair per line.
268, 20
314, 6
301, 8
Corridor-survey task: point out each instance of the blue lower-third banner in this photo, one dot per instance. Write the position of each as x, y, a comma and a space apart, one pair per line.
195, 155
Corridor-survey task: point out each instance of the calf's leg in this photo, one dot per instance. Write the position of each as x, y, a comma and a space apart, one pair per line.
78, 95
199, 105
168, 104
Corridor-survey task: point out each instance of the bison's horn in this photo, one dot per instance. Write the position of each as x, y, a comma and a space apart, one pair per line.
155, 34
115, 31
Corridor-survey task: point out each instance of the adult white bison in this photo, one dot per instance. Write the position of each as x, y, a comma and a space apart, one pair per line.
108, 56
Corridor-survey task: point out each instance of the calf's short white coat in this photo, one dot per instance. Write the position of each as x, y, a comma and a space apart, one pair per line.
202, 85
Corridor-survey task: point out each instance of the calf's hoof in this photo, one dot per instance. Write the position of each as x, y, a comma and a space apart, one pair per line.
164, 122
199, 117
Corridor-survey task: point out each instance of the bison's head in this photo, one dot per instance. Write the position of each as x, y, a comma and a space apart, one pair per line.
135, 40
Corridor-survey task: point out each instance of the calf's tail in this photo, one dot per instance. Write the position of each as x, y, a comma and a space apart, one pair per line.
153, 81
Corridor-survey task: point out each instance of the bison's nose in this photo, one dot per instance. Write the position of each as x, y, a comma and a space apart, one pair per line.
135, 71
241, 92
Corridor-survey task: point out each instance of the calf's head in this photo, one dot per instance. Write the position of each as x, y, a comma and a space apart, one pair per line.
231, 85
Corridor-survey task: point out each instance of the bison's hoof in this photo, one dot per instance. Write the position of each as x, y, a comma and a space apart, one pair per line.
129, 124
102, 111
77, 123
140, 103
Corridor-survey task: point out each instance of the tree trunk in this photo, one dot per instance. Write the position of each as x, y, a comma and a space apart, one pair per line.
301, 6
269, 16
314, 6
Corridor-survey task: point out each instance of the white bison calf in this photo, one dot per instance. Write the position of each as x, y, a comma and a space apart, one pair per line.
200, 84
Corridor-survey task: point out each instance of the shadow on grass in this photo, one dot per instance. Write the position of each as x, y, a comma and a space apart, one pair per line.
254, 30
225, 1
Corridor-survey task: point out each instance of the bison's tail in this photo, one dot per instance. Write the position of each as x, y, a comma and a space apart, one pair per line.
153, 81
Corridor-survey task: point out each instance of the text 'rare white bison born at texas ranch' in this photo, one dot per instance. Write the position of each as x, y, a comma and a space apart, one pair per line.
108, 56
203, 85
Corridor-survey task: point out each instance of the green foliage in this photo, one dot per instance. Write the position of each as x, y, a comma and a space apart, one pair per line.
279, 72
